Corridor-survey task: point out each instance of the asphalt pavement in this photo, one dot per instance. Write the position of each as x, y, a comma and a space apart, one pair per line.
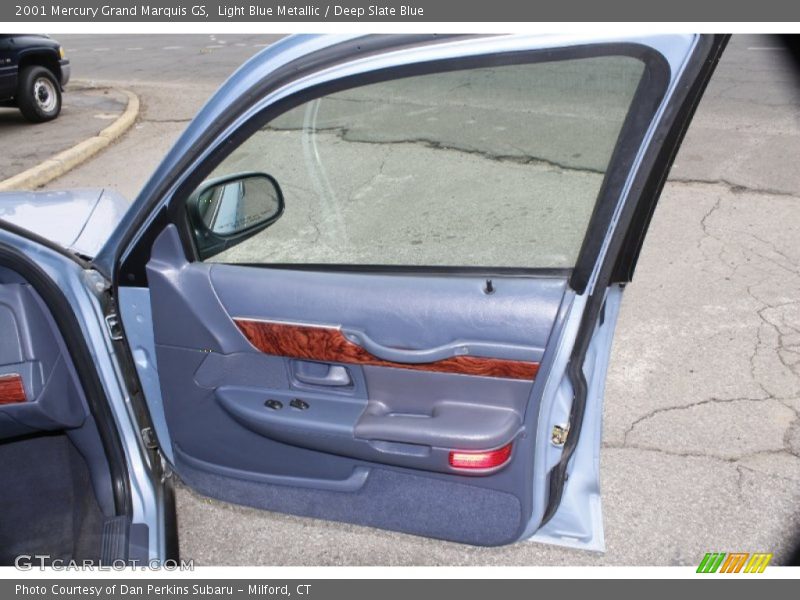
85, 111
176, 58
702, 414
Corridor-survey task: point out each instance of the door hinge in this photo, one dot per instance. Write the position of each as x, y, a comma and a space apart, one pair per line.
558, 437
114, 326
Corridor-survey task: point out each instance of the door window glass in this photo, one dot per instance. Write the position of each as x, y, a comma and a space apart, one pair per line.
488, 167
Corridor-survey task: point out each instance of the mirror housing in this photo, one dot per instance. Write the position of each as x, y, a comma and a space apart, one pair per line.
229, 209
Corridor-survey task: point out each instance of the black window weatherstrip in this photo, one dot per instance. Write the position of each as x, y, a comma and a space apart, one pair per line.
649, 191
646, 99
422, 270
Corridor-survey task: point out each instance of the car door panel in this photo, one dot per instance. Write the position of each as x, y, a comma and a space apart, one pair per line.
408, 414
37, 388
387, 419
41, 394
346, 393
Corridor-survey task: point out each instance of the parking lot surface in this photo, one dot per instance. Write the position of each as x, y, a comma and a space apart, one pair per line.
86, 110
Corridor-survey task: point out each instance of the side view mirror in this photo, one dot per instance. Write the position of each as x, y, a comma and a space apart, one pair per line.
229, 209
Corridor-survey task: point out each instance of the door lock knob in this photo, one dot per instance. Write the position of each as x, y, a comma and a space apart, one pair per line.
299, 404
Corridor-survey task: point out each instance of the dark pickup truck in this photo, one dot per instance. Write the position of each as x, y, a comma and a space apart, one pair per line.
33, 72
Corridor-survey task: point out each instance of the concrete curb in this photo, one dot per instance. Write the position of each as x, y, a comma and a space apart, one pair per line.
58, 165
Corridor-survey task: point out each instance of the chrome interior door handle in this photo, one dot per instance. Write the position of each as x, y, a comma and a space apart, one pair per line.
321, 374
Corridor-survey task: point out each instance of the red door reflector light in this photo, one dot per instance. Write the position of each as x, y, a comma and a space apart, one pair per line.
487, 459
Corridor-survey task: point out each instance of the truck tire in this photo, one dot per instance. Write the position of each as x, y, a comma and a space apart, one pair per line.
38, 95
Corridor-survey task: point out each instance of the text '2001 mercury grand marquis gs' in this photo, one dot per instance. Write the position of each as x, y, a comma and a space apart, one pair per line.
375, 281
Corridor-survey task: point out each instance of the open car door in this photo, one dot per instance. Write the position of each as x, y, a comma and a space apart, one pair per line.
377, 279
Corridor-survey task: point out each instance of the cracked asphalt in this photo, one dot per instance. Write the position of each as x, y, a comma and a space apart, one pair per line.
702, 411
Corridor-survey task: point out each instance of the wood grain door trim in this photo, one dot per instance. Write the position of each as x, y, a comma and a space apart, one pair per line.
11, 389
328, 344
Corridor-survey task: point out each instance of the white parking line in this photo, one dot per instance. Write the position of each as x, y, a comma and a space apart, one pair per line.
100, 49
134, 49
172, 47
765, 48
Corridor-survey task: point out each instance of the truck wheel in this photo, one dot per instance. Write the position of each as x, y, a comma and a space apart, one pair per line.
39, 95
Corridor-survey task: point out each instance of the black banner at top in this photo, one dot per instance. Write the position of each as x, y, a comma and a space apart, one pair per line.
466, 11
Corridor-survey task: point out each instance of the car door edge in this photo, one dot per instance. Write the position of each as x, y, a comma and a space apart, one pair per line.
624, 245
